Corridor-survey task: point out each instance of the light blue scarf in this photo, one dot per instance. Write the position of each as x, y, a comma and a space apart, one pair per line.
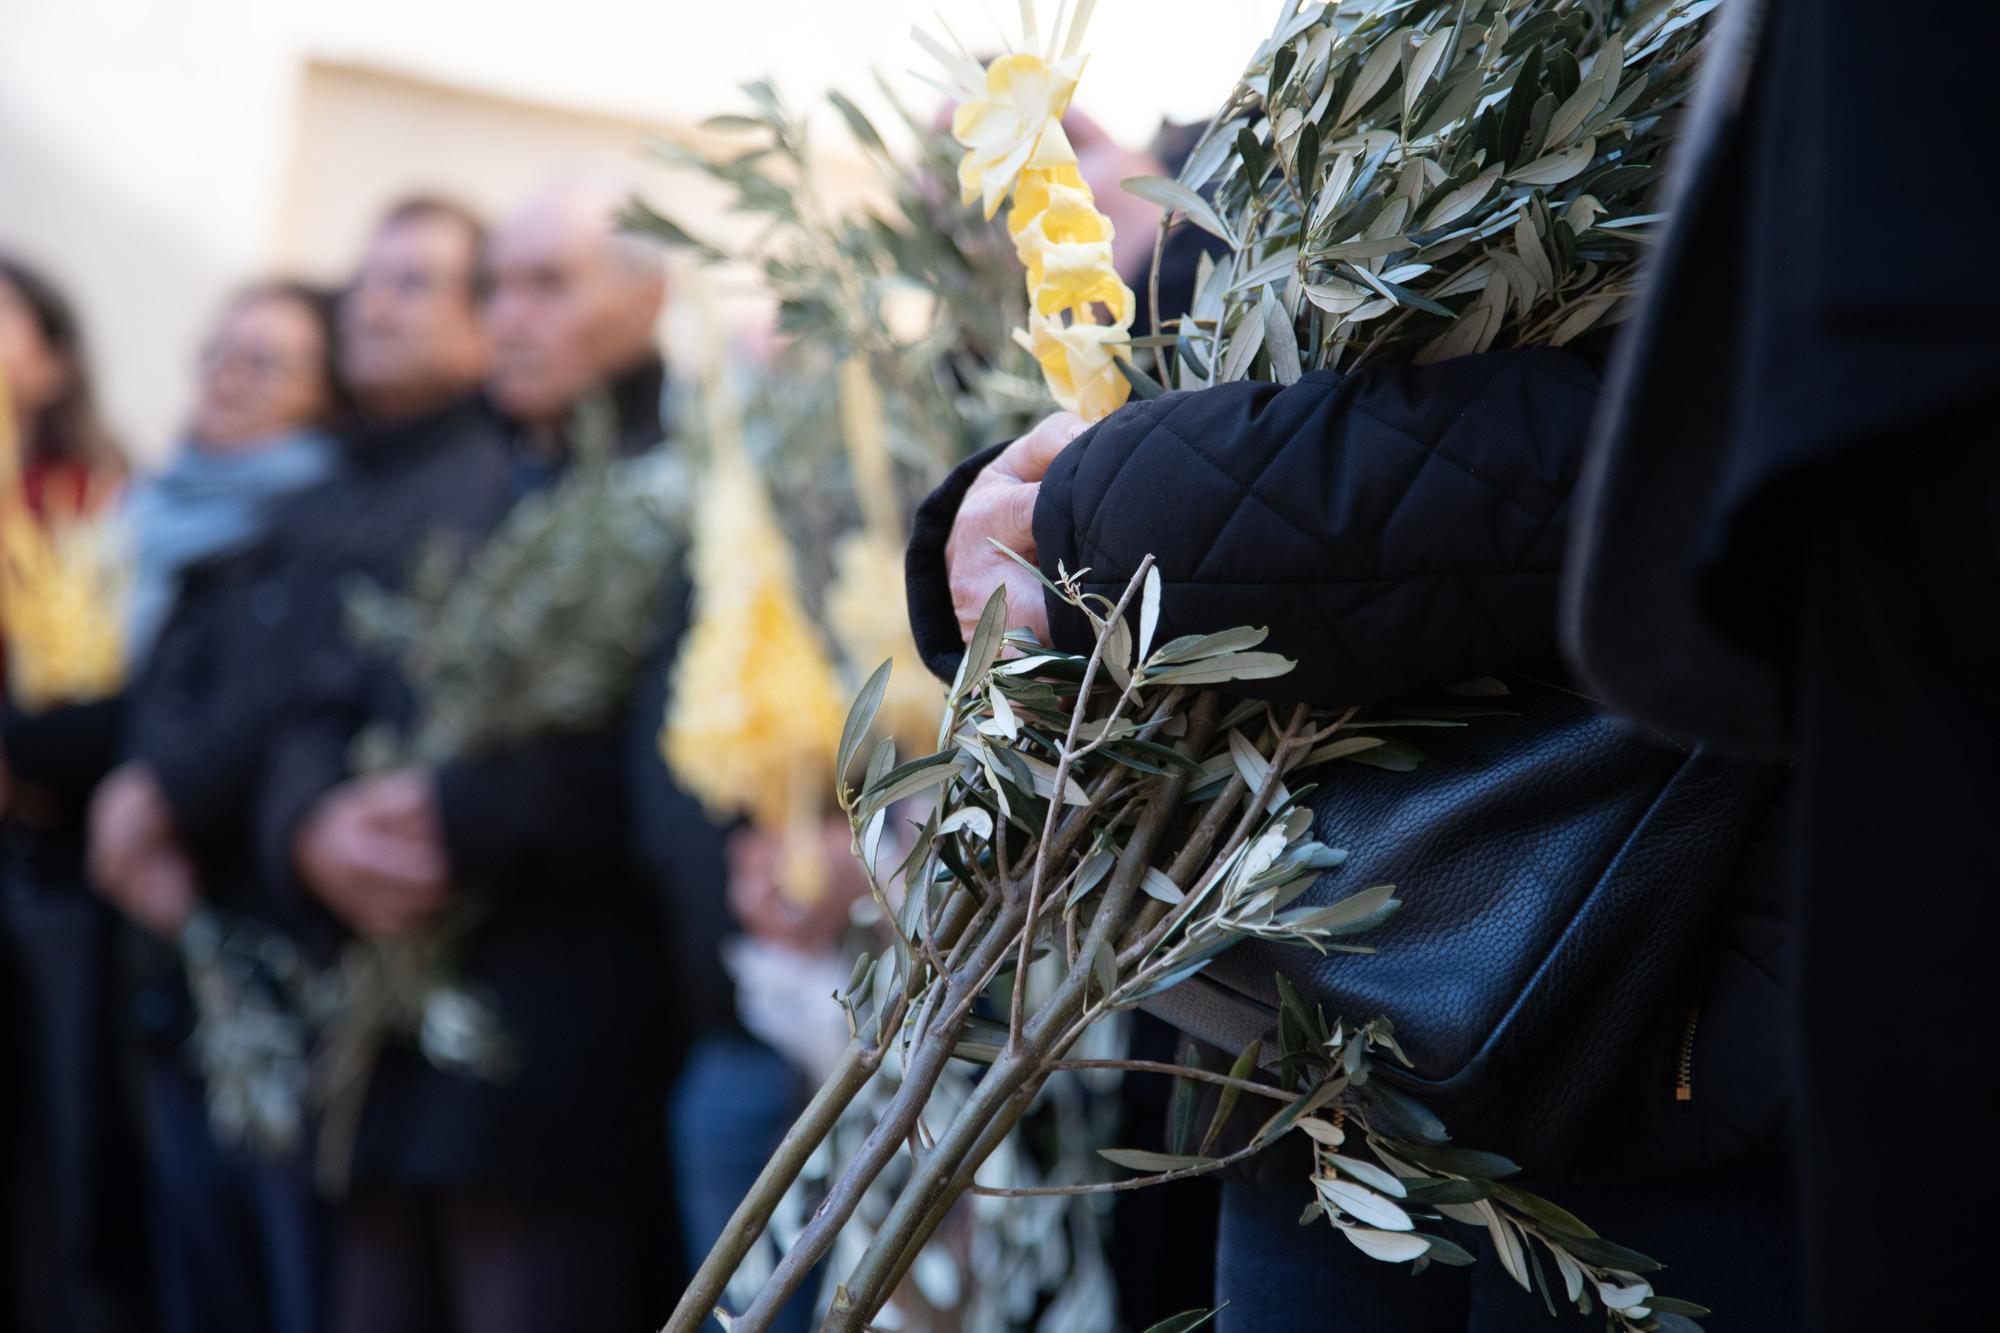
205, 505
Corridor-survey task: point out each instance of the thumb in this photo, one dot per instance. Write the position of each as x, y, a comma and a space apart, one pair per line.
1033, 453
1014, 515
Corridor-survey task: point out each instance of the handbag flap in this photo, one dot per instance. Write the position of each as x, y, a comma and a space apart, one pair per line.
1555, 870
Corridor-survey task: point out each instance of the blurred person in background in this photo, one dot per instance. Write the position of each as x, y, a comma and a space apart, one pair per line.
525, 1204
74, 1252
67, 453
66, 468
412, 353
172, 824
235, 1235
572, 315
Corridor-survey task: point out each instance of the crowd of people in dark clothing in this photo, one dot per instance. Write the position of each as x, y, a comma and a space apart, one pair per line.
331, 438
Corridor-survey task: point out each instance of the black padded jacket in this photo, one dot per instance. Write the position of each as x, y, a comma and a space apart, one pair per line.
1396, 529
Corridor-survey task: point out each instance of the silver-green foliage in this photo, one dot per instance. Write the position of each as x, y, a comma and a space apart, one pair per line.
1112, 815
923, 287
1422, 179
543, 630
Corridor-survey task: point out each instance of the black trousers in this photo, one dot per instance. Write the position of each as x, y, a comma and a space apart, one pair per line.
483, 1259
1898, 859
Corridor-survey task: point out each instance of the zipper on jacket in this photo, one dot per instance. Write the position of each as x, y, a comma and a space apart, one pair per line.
1684, 1068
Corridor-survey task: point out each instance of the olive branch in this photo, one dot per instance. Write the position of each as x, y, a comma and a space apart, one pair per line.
1110, 812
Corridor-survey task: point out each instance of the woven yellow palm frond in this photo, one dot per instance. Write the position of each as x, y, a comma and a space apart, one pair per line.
870, 618
757, 707
63, 592
1009, 120
64, 586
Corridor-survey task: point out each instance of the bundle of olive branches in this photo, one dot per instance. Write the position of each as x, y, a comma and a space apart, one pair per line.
924, 292
1423, 179
543, 631
1111, 813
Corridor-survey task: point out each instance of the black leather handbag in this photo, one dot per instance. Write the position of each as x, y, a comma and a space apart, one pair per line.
1559, 874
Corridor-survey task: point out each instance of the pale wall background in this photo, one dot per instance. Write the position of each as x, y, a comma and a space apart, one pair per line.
154, 153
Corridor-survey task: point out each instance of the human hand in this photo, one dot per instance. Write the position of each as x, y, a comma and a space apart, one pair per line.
134, 857
372, 850
1000, 506
160, 894
403, 804
761, 904
128, 819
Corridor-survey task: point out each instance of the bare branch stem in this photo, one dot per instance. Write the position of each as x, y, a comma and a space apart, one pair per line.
920, 1076
1180, 1071
1043, 858
747, 1223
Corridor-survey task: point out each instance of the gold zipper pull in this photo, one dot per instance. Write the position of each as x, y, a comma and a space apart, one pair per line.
1684, 1071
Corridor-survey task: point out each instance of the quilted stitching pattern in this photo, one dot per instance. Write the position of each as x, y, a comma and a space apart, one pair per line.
1394, 529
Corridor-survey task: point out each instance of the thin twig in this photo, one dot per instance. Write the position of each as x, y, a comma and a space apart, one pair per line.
1184, 866
1180, 1071
1153, 295
1254, 1147
1252, 813
883, 1141
1018, 1008
884, 1265
1051, 1033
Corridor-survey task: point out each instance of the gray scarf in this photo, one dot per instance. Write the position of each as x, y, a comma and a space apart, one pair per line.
206, 505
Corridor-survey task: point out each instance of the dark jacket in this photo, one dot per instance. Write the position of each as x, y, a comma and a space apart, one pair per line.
568, 948
1769, 347
228, 664
1396, 529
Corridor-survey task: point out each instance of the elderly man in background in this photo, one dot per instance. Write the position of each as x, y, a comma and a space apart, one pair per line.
525, 1203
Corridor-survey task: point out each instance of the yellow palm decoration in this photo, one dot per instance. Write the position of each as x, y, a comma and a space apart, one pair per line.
64, 587
1009, 119
756, 709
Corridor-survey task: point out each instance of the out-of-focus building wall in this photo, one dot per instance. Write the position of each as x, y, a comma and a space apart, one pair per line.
142, 147
154, 153
366, 136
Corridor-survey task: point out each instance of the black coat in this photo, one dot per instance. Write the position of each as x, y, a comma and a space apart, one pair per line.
1396, 529
1774, 343
568, 950
250, 630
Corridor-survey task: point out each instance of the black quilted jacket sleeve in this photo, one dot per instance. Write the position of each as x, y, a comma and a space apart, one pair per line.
1395, 529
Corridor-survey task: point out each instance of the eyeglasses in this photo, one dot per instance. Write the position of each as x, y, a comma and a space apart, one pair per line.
413, 282
254, 360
